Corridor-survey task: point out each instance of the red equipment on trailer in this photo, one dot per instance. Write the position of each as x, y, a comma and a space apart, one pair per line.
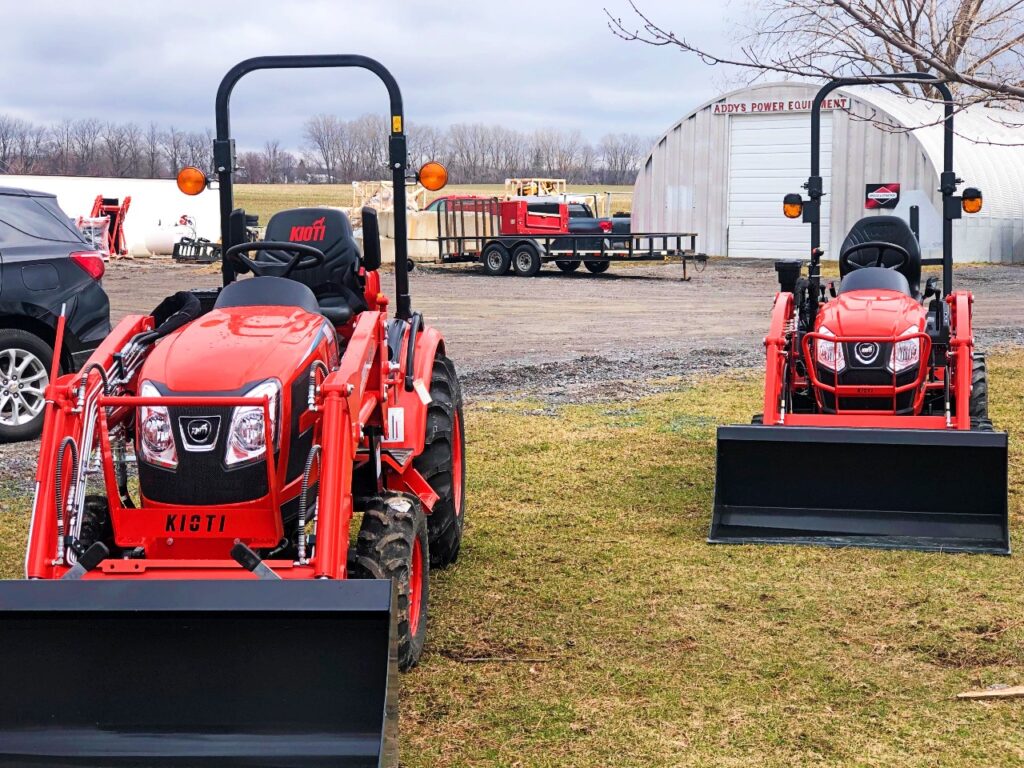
218, 614
875, 430
115, 210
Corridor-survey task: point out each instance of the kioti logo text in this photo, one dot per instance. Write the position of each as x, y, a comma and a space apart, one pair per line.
309, 233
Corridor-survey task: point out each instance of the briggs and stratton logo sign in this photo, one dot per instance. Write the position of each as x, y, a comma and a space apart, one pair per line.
310, 233
770, 107
199, 433
881, 196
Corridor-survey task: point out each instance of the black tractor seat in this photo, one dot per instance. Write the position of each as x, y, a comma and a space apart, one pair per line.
888, 229
875, 278
336, 284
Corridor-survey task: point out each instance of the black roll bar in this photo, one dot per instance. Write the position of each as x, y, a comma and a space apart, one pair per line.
224, 153
947, 180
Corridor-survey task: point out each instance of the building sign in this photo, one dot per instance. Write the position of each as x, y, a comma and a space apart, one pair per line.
771, 107
881, 196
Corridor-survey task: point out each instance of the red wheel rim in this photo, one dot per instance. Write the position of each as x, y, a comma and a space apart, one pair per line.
457, 464
415, 586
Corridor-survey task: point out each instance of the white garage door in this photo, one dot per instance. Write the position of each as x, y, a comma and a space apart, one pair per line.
770, 155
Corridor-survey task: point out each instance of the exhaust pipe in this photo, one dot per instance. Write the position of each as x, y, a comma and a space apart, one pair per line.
198, 673
930, 490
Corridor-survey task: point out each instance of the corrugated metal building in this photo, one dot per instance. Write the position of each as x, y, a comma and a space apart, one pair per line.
723, 169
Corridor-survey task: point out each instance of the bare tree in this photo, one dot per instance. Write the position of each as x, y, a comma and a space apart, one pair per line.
152, 161
86, 137
977, 46
324, 135
175, 149
621, 154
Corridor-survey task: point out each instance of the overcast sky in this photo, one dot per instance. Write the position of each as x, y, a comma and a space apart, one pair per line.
525, 64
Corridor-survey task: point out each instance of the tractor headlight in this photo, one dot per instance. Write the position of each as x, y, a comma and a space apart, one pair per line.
247, 438
906, 353
829, 353
154, 428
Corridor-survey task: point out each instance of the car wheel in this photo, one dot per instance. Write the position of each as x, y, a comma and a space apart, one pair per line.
526, 260
24, 375
596, 267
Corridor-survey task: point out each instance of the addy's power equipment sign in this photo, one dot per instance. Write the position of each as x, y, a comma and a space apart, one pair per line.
881, 196
772, 107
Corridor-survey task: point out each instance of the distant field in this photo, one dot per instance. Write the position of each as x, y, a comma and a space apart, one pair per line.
265, 199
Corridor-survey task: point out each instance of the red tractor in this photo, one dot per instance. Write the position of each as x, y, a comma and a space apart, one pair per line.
215, 612
875, 430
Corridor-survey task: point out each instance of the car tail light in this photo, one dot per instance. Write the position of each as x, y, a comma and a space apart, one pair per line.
905, 353
606, 226
154, 427
829, 353
91, 263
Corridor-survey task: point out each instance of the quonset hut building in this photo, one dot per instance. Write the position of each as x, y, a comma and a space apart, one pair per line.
723, 170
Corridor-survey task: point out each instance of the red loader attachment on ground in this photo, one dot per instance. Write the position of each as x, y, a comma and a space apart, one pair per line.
198, 673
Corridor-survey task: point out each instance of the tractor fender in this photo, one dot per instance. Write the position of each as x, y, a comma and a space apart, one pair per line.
428, 343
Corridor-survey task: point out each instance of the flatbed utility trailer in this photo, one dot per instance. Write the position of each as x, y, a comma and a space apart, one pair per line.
479, 230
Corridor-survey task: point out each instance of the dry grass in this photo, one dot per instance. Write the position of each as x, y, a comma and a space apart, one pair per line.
588, 624
266, 199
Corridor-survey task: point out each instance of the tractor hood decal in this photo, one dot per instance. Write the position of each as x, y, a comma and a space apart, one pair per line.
232, 347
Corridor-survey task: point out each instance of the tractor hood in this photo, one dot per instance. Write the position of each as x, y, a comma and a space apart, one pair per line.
869, 313
226, 349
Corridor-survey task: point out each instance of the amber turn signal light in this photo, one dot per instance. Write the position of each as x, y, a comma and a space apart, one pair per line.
191, 180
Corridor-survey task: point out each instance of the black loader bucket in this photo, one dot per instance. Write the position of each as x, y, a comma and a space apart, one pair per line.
890, 488
198, 673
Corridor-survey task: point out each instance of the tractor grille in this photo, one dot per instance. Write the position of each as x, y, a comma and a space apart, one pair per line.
201, 476
871, 373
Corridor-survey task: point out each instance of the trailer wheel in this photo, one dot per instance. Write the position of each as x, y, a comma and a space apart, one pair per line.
442, 463
568, 266
526, 260
596, 267
979, 391
496, 260
392, 544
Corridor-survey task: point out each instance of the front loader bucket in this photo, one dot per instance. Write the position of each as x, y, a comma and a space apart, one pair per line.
198, 673
918, 489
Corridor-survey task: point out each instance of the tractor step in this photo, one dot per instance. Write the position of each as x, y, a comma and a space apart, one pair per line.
188, 673
930, 490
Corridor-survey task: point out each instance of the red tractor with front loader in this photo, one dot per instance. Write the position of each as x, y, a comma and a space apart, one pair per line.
875, 428
192, 594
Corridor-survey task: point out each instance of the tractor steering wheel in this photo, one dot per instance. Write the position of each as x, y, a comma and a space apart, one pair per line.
846, 265
271, 262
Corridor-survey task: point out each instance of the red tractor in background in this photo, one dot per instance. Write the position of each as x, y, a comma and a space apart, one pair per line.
215, 613
875, 429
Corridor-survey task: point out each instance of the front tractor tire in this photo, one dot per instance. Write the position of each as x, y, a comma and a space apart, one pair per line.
393, 544
442, 463
979, 395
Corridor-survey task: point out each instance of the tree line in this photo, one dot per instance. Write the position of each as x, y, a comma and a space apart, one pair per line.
332, 151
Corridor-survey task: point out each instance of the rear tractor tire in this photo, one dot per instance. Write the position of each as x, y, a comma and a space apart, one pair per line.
392, 544
596, 267
979, 395
442, 463
496, 260
568, 266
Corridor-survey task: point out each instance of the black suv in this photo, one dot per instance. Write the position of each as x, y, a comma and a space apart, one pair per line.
44, 264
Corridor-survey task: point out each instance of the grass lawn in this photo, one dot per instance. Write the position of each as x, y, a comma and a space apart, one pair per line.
588, 624
266, 199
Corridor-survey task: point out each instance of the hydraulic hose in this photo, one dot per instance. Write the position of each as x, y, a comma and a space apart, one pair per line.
58, 488
314, 455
